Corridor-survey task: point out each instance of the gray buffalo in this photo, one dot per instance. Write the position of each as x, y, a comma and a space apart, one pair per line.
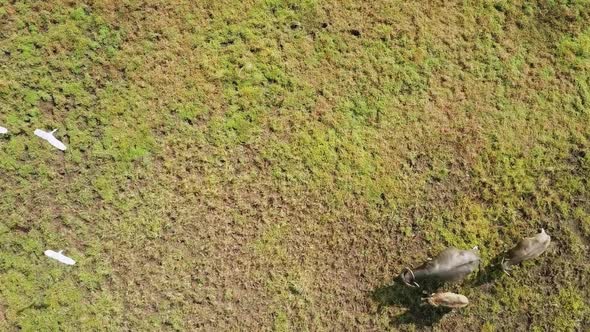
527, 248
451, 264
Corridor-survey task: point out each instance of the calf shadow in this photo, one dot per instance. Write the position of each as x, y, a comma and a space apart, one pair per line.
418, 313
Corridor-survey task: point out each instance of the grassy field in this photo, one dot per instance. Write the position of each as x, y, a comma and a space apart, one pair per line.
274, 164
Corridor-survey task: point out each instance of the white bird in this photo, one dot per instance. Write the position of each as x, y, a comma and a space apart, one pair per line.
3, 130
59, 257
48, 136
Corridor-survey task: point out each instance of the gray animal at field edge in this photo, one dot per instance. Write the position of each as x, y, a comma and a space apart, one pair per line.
451, 264
527, 248
447, 299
